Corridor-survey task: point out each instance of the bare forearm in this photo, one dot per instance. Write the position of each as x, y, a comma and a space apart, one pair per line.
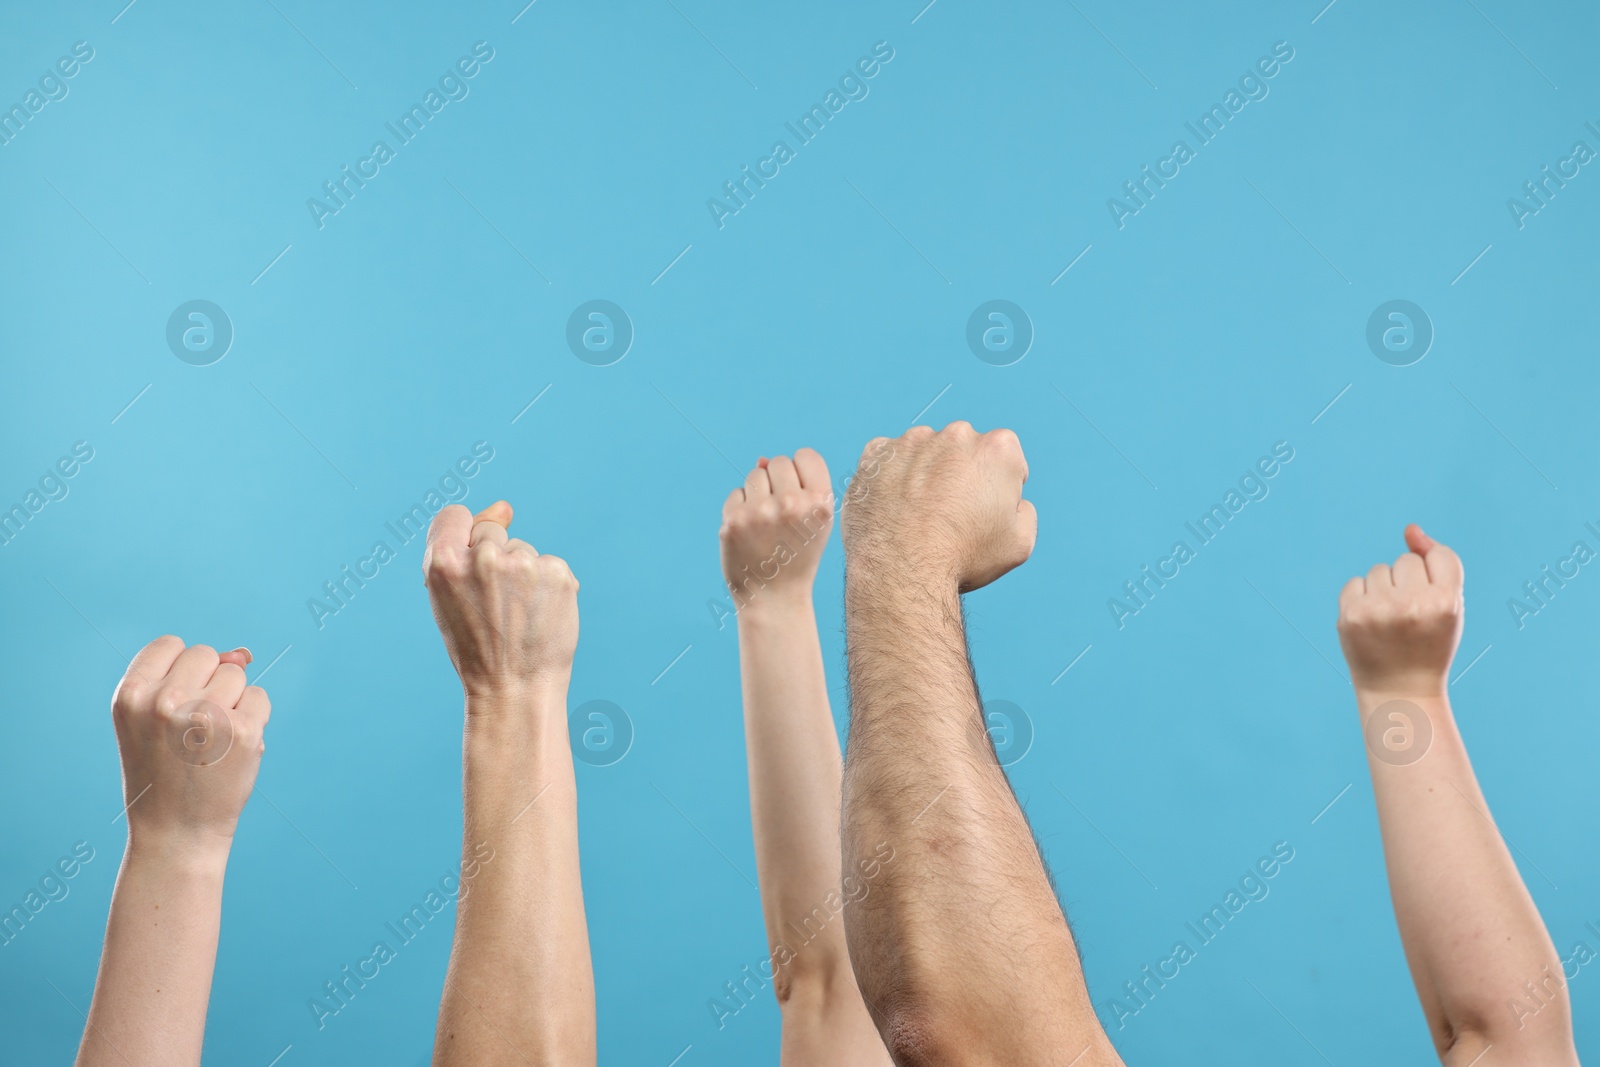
161, 947
948, 982
794, 774
520, 988
1471, 932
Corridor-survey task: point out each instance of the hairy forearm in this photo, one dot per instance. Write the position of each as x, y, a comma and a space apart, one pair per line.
1471, 932
520, 988
947, 981
794, 771
161, 947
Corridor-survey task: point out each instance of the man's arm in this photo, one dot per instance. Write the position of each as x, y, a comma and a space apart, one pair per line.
190, 736
961, 950
773, 532
1485, 970
520, 988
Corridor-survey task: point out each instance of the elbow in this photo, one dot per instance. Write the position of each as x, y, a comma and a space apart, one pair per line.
917, 1037
803, 984
1534, 1024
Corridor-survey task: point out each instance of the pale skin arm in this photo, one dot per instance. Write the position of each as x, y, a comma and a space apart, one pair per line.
184, 800
961, 951
1471, 932
520, 987
773, 533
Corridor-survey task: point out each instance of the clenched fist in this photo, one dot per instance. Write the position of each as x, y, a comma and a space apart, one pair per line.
1399, 626
189, 731
943, 506
775, 527
508, 614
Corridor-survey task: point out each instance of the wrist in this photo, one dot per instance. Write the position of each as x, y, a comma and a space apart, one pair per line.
189, 856
505, 696
1433, 700
775, 602
904, 580
1403, 687
510, 720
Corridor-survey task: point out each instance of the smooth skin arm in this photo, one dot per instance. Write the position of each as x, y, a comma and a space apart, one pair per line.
520, 987
1472, 935
961, 951
189, 731
774, 529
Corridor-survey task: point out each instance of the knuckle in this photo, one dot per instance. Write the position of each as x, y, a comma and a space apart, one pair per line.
167, 702
447, 566
1003, 439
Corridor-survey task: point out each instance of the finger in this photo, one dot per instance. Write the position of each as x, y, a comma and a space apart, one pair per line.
226, 685
489, 525
1409, 570
785, 479
517, 544
499, 511
240, 655
812, 470
1379, 577
560, 566
735, 498
1027, 525
1417, 541
193, 668
152, 662
757, 483
1444, 566
254, 706
487, 532
1353, 590
450, 529
1009, 446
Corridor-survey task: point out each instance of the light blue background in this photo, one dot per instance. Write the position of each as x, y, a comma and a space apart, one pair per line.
1221, 319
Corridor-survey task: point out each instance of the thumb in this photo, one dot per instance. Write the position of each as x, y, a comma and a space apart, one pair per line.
1444, 566
498, 512
1417, 541
240, 656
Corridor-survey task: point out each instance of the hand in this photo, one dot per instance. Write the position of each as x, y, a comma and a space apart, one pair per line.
946, 505
1399, 626
189, 731
509, 616
775, 527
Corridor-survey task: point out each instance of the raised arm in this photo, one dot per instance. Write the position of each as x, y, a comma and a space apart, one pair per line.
961, 951
520, 989
774, 529
1490, 981
189, 731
